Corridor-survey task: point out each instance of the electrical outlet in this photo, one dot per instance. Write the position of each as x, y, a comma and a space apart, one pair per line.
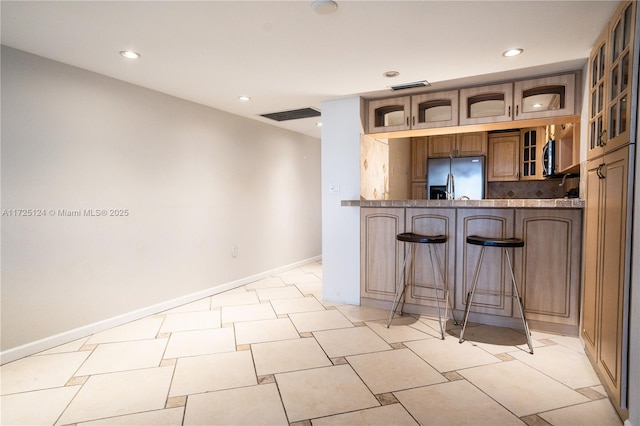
234, 251
334, 188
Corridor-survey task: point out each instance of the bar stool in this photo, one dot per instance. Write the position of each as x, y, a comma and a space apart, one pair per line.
413, 239
505, 244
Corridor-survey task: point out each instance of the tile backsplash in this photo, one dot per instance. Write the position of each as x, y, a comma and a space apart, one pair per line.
548, 188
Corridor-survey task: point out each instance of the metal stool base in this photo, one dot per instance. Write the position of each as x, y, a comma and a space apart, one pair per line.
401, 287
516, 295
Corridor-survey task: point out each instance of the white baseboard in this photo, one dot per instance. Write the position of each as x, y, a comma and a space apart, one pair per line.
89, 329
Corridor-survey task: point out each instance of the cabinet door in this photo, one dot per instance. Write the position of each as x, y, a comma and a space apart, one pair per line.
419, 159
388, 115
441, 145
620, 73
380, 253
597, 95
550, 265
611, 353
486, 104
434, 110
531, 144
432, 222
544, 97
503, 157
591, 258
494, 275
471, 144
419, 191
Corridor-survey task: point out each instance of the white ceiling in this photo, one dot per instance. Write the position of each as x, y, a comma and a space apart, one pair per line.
286, 56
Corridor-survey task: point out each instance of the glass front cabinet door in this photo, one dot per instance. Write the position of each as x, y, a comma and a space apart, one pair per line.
486, 104
434, 110
389, 115
597, 111
544, 97
619, 68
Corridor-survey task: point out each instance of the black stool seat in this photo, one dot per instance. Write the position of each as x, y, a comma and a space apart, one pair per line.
495, 242
410, 237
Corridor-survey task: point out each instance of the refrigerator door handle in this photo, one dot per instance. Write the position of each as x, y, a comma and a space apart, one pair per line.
450, 187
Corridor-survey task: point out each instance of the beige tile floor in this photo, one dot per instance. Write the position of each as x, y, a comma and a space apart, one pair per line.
272, 352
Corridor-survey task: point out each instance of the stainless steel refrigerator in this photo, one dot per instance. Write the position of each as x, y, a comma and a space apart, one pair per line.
455, 178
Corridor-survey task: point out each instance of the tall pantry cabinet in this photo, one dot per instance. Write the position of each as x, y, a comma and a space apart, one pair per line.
613, 88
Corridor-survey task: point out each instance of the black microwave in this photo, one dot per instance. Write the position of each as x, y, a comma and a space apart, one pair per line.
549, 167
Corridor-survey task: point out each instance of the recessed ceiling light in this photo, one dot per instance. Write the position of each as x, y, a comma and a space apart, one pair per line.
129, 54
244, 98
537, 105
512, 52
324, 7
391, 74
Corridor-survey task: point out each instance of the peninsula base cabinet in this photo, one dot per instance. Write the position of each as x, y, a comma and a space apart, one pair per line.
547, 268
606, 270
494, 278
431, 222
549, 265
380, 253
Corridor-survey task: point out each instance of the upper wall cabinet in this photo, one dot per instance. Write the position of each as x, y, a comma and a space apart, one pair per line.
434, 110
424, 111
486, 104
610, 83
544, 97
389, 115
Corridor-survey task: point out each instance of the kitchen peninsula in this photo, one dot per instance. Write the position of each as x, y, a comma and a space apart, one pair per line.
547, 269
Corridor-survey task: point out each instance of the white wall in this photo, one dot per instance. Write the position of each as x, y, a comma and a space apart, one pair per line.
195, 181
341, 130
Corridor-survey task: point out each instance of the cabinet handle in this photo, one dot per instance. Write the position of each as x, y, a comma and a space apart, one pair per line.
517, 110
599, 171
407, 121
414, 121
509, 114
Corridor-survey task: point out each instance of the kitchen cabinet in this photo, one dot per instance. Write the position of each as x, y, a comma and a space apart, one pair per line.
549, 266
486, 104
389, 115
611, 83
544, 97
431, 222
503, 158
458, 145
419, 154
432, 110
418, 168
606, 269
419, 191
381, 254
424, 111
494, 276
532, 142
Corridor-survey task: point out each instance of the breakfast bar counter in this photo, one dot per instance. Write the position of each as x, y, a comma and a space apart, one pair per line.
551, 203
547, 269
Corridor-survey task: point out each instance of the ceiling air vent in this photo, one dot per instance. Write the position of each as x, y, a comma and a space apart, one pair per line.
293, 114
422, 83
